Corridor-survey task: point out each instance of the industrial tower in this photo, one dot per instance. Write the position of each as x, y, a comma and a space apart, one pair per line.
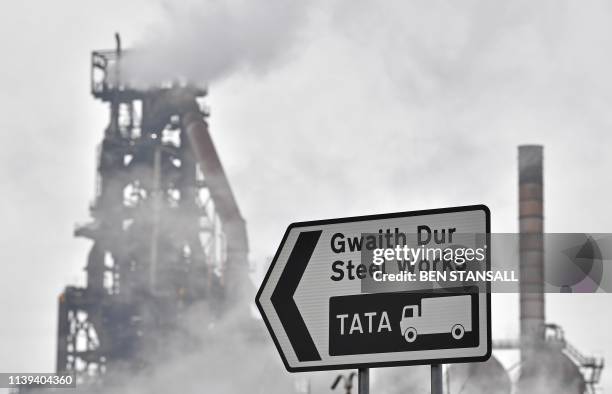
166, 230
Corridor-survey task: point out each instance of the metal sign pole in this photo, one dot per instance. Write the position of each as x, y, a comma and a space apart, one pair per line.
363, 384
436, 379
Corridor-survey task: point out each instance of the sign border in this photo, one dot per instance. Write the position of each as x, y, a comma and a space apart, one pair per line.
350, 219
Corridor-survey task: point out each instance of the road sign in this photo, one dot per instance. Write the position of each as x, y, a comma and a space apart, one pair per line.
330, 302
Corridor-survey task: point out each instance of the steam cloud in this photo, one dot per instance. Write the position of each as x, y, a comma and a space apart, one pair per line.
202, 42
224, 356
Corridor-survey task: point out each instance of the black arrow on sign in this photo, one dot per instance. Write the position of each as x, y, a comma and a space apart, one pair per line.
282, 297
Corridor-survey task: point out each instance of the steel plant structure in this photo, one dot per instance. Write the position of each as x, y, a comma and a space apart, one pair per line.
166, 230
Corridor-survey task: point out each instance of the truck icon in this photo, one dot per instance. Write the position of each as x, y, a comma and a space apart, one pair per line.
437, 315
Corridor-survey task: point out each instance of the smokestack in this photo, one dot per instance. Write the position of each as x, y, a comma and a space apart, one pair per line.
531, 251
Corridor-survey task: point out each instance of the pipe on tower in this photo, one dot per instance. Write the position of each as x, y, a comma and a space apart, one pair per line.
226, 206
183, 101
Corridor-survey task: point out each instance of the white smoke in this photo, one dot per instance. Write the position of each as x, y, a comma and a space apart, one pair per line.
202, 41
206, 354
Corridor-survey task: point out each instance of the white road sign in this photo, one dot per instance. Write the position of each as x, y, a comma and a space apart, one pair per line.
381, 290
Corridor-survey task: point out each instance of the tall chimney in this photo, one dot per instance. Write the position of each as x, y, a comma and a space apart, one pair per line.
531, 250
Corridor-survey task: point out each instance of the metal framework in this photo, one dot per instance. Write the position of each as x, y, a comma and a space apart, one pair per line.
166, 229
589, 366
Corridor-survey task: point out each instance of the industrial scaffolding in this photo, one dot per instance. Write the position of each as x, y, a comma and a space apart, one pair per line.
166, 230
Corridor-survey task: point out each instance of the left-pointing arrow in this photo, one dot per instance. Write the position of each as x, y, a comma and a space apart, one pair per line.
282, 297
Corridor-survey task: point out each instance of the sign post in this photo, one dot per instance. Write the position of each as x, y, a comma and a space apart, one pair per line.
363, 383
436, 379
372, 291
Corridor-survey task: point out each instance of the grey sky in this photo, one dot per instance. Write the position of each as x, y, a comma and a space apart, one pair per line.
367, 108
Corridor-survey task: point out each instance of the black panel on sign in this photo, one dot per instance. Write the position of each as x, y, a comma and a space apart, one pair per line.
403, 321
